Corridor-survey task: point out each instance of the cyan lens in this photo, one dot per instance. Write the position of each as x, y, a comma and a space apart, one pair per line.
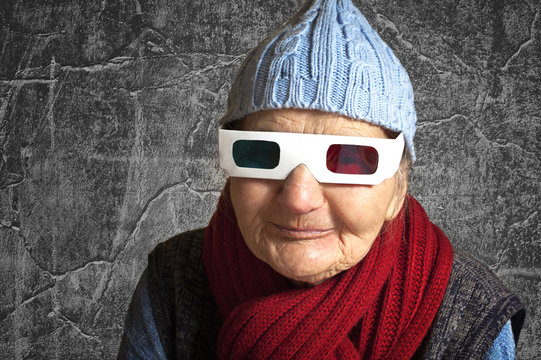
256, 154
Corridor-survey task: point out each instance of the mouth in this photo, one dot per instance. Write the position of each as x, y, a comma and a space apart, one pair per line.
302, 233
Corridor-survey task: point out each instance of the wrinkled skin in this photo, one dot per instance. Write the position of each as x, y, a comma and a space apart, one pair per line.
306, 230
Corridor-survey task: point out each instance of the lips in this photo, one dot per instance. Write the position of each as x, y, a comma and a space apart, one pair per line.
302, 232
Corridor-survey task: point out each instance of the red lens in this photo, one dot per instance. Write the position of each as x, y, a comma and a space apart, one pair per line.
352, 159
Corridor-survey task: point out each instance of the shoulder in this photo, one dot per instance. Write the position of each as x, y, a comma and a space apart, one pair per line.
183, 247
472, 284
177, 258
176, 267
177, 264
475, 308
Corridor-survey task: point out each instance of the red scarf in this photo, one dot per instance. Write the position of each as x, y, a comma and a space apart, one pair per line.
382, 308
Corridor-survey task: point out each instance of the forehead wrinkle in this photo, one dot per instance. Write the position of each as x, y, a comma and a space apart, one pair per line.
310, 122
269, 121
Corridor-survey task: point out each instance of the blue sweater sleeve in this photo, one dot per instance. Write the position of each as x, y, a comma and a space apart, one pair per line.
141, 339
503, 347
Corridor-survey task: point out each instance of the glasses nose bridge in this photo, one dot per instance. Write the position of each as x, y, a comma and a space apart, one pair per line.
308, 152
300, 173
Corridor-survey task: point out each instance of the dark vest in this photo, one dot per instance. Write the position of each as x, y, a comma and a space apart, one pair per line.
475, 307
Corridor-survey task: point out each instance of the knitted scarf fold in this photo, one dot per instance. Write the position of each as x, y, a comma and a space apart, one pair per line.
382, 308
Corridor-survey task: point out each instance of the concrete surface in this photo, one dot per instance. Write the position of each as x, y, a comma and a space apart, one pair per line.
107, 145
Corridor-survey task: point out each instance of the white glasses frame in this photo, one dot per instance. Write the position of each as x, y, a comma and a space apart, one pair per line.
310, 150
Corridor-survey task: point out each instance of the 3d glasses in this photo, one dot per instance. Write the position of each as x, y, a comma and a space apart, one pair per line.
330, 158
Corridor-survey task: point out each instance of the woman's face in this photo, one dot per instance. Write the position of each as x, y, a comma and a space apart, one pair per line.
306, 230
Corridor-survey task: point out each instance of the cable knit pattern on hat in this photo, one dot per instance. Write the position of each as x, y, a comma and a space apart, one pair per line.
328, 58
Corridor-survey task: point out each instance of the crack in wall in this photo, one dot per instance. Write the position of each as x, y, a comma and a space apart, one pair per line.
133, 184
526, 43
57, 312
116, 64
138, 10
480, 103
75, 327
57, 279
51, 99
451, 118
184, 79
53, 33
103, 5
31, 298
58, 276
27, 54
27, 302
23, 82
62, 276
9, 226
492, 142
15, 87
530, 217
532, 273
4, 45
187, 78
35, 35
102, 294
201, 193
6, 178
138, 143
506, 143
388, 24
165, 190
28, 250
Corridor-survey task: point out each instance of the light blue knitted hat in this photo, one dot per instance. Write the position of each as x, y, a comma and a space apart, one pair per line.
326, 57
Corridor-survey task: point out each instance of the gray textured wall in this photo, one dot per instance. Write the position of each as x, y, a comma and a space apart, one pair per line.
107, 145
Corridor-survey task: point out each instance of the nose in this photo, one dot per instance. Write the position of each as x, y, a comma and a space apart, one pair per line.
301, 192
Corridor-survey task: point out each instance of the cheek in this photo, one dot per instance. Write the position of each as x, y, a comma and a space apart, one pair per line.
250, 199
362, 210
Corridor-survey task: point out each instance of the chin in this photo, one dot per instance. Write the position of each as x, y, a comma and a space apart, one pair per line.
307, 273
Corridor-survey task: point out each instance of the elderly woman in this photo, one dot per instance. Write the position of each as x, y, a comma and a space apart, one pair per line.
315, 249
